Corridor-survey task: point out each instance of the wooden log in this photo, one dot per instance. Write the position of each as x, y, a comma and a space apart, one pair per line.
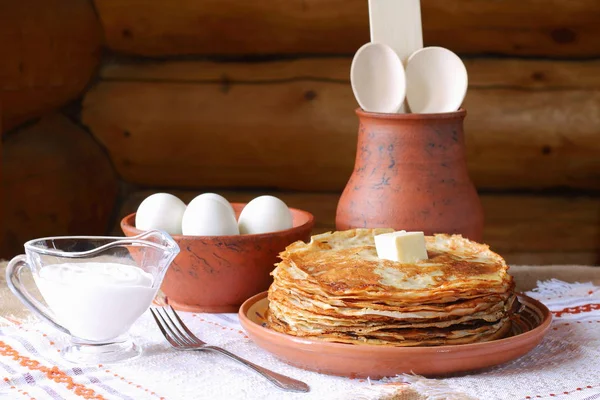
51, 49
484, 73
525, 229
57, 181
291, 125
527, 277
557, 258
515, 27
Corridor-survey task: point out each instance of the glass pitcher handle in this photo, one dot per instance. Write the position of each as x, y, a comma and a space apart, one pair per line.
13, 280
159, 237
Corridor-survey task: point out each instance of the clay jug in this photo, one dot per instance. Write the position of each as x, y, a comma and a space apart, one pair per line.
410, 173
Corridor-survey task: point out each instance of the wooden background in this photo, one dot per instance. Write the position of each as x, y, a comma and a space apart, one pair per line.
106, 102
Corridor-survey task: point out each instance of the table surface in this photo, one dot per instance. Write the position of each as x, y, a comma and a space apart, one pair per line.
169, 372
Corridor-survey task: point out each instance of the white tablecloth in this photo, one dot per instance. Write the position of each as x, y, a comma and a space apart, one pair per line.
566, 364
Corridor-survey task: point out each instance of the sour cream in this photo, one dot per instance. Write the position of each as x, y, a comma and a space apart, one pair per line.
96, 301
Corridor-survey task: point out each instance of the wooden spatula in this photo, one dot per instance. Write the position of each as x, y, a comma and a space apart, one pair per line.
397, 23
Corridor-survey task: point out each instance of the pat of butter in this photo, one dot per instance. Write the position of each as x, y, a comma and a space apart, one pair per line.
401, 246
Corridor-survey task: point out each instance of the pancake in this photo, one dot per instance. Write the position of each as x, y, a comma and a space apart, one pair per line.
335, 288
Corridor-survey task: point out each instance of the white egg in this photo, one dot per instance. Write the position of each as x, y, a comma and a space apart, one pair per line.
265, 214
160, 211
217, 197
208, 217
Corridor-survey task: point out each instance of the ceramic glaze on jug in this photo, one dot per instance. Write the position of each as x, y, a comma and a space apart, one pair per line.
410, 173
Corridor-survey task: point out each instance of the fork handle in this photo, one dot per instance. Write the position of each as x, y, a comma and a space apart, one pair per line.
281, 381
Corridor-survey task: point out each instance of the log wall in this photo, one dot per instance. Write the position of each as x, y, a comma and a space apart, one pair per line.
291, 124
50, 51
512, 27
252, 97
56, 181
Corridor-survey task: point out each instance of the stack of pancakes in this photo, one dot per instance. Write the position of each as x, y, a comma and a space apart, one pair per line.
335, 288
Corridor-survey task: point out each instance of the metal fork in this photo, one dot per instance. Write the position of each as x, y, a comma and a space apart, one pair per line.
179, 337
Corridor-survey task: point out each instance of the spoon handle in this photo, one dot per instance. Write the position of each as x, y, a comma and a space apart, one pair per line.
397, 23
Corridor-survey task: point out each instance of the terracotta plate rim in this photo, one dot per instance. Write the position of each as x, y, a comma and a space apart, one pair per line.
255, 329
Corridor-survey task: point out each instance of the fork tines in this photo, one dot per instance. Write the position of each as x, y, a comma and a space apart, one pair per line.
173, 329
180, 337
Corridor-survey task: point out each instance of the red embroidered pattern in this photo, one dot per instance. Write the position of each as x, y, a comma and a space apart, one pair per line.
577, 309
221, 326
53, 373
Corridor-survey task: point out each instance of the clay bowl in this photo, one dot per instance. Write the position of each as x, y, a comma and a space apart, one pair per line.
218, 273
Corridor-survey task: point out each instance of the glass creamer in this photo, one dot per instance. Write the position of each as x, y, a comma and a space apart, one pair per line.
95, 288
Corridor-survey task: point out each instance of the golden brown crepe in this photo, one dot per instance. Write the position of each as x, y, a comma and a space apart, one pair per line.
335, 288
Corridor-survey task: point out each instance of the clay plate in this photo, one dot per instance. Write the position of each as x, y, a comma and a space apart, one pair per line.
361, 361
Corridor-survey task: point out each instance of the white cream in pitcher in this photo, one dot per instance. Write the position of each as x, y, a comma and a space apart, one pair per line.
96, 301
